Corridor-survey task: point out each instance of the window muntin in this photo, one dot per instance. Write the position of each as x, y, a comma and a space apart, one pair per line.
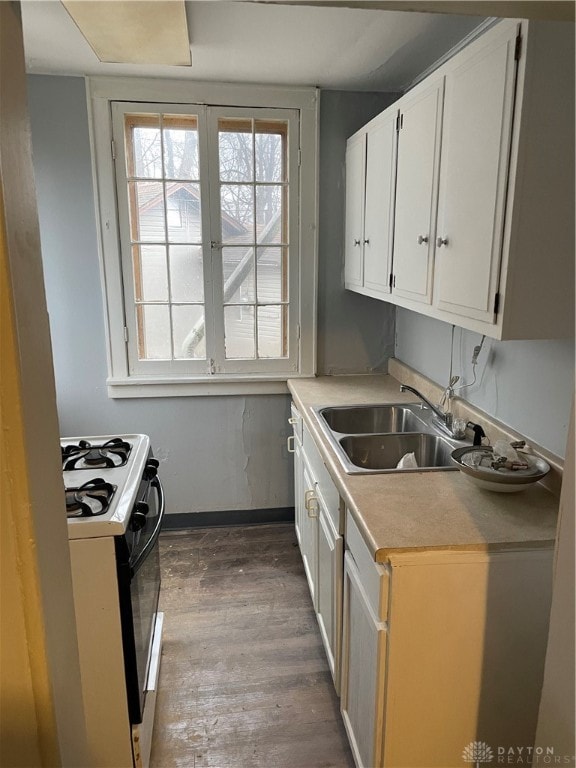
213, 253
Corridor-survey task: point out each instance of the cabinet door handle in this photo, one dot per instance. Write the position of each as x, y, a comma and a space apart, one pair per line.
356, 242
308, 498
440, 241
422, 239
292, 420
290, 444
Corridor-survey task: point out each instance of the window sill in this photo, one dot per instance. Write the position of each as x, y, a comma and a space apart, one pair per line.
135, 387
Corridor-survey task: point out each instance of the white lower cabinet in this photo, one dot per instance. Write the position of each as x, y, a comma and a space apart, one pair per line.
363, 670
329, 589
298, 490
305, 506
309, 531
316, 510
431, 651
441, 649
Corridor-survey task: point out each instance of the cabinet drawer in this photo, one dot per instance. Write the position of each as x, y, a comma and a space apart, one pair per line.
374, 577
322, 477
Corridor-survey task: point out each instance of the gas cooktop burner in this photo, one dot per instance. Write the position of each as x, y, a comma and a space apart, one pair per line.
91, 499
113, 453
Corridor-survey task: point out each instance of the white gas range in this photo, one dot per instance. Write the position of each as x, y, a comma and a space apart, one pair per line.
101, 477
115, 506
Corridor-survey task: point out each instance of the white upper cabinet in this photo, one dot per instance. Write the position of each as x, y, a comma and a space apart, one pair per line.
370, 168
478, 104
355, 188
416, 191
379, 204
483, 211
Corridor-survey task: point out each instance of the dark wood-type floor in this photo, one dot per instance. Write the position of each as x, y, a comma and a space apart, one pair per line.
244, 681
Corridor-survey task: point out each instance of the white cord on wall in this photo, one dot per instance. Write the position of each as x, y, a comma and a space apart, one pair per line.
475, 353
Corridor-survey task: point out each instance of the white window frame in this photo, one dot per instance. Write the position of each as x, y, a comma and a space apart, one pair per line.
101, 93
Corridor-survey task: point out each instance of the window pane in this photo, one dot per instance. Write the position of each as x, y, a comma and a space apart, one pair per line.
183, 213
235, 150
269, 150
272, 274
238, 275
272, 332
143, 146
146, 210
239, 332
180, 147
186, 273
150, 272
189, 332
237, 212
153, 332
269, 219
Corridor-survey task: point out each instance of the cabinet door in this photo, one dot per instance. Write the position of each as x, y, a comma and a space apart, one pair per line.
298, 489
329, 592
355, 189
478, 105
309, 532
416, 192
379, 203
363, 671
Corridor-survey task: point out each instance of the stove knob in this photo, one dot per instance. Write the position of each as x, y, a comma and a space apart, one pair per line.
151, 469
141, 508
138, 521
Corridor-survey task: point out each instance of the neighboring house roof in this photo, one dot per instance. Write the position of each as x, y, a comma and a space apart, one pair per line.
149, 198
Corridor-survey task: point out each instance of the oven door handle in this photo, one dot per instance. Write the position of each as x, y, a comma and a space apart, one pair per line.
143, 554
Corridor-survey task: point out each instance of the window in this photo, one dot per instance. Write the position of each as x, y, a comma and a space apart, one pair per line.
211, 278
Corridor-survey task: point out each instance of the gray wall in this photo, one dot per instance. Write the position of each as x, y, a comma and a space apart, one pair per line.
355, 333
526, 384
218, 453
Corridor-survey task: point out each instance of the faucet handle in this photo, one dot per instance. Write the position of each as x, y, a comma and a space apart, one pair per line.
458, 428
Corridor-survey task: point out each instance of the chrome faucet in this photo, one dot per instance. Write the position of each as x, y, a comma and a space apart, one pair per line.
445, 419
439, 413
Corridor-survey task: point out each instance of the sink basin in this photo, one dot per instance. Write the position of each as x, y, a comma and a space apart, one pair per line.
379, 453
368, 419
373, 438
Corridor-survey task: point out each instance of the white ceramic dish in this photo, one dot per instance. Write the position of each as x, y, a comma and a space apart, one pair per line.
499, 480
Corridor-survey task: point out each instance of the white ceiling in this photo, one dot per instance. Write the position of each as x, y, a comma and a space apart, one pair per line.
337, 48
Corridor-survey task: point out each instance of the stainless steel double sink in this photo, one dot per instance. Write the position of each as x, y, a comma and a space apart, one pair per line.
373, 438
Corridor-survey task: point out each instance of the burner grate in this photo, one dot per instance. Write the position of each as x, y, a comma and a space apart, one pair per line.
89, 500
84, 455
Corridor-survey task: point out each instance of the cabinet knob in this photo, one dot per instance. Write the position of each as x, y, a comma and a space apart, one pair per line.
356, 242
366, 242
422, 239
440, 241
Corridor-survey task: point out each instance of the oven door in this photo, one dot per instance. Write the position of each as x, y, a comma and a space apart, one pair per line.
139, 583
